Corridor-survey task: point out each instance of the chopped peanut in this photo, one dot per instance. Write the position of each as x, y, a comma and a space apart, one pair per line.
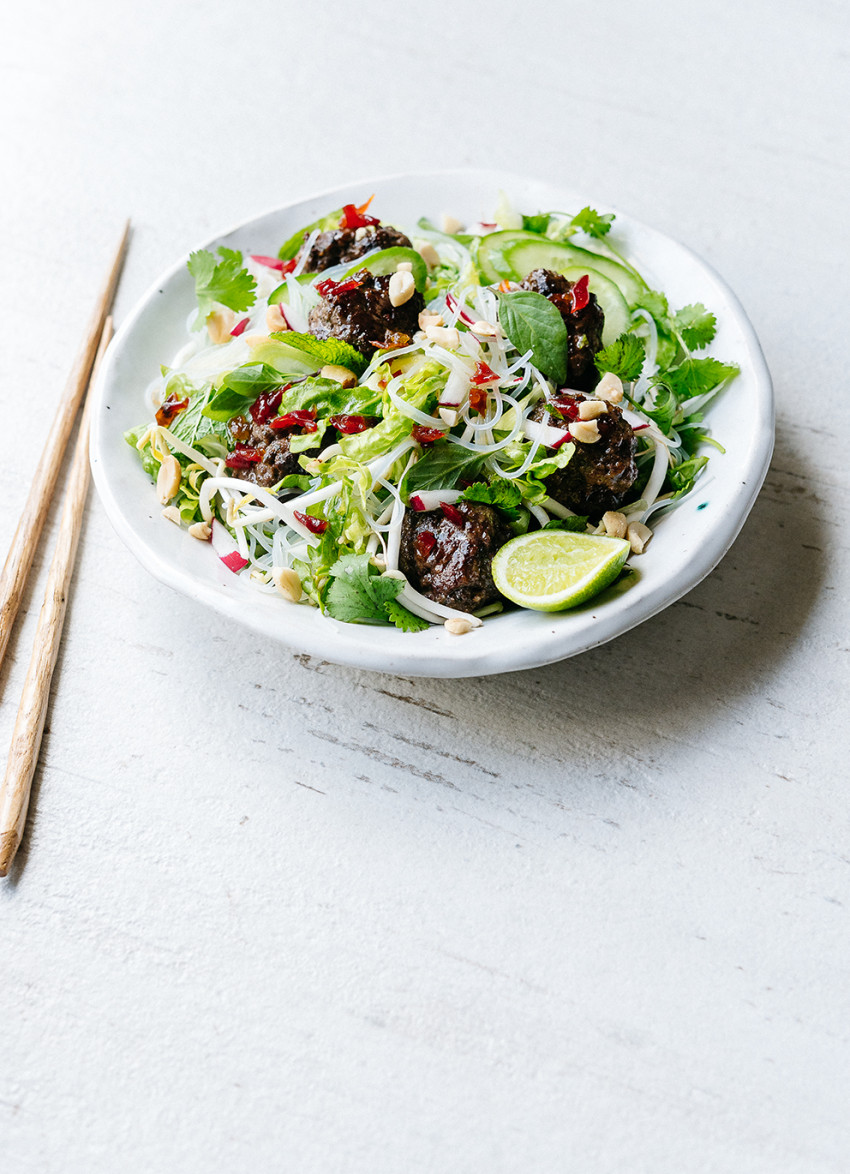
589, 409
402, 287
426, 320
638, 535
610, 388
287, 582
219, 325
340, 375
585, 431
168, 479
445, 336
457, 626
615, 524
485, 328
275, 319
172, 514
201, 531
451, 224
429, 254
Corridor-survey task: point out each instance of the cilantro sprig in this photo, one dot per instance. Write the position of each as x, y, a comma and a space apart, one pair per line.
359, 594
225, 282
624, 357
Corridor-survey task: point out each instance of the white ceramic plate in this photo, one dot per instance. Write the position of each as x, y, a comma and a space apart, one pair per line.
688, 542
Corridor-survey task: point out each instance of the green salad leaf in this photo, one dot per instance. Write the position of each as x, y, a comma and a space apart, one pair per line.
324, 351
291, 247
533, 324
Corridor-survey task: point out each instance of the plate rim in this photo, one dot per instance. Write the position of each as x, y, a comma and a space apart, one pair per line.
459, 658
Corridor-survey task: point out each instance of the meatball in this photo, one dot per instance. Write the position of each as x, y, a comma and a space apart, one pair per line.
449, 561
277, 460
343, 244
363, 315
584, 327
599, 475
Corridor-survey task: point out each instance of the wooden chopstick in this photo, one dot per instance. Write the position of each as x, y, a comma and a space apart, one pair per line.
29, 725
18, 561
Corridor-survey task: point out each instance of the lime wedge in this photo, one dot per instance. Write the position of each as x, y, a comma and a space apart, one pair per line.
550, 570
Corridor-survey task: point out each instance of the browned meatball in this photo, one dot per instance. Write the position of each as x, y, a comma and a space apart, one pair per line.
447, 555
278, 461
342, 244
599, 475
584, 327
362, 315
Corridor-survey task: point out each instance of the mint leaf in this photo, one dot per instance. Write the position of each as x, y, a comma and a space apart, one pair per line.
592, 222
325, 351
441, 467
403, 618
499, 493
695, 377
225, 282
533, 324
624, 357
696, 325
358, 594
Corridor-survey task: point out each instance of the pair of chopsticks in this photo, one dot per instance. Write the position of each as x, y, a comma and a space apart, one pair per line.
29, 726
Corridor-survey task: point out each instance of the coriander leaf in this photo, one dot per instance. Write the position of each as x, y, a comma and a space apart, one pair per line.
684, 475
592, 222
695, 377
655, 303
576, 524
225, 282
499, 493
403, 618
441, 467
624, 357
326, 351
663, 408
358, 594
538, 223
533, 324
696, 325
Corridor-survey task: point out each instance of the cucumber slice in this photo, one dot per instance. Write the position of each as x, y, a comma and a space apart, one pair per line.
490, 253
611, 301
523, 256
387, 261
281, 292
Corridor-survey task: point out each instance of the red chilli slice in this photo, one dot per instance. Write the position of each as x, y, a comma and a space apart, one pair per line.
314, 525
271, 262
478, 399
425, 543
243, 456
305, 419
239, 327
483, 374
350, 425
354, 217
581, 293
329, 286
452, 513
288, 266
423, 435
171, 407
265, 407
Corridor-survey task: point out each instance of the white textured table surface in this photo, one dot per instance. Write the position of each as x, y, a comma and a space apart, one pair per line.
275, 915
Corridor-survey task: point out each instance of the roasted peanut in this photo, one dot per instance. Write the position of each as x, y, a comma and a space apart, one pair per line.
340, 375
287, 582
402, 287
585, 431
615, 524
168, 479
457, 626
638, 535
610, 388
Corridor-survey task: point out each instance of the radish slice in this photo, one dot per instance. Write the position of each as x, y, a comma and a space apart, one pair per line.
226, 548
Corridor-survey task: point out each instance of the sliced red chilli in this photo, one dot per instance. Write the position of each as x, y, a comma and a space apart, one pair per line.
581, 293
423, 435
452, 513
305, 419
350, 425
265, 407
314, 525
243, 456
171, 407
425, 543
239, 327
